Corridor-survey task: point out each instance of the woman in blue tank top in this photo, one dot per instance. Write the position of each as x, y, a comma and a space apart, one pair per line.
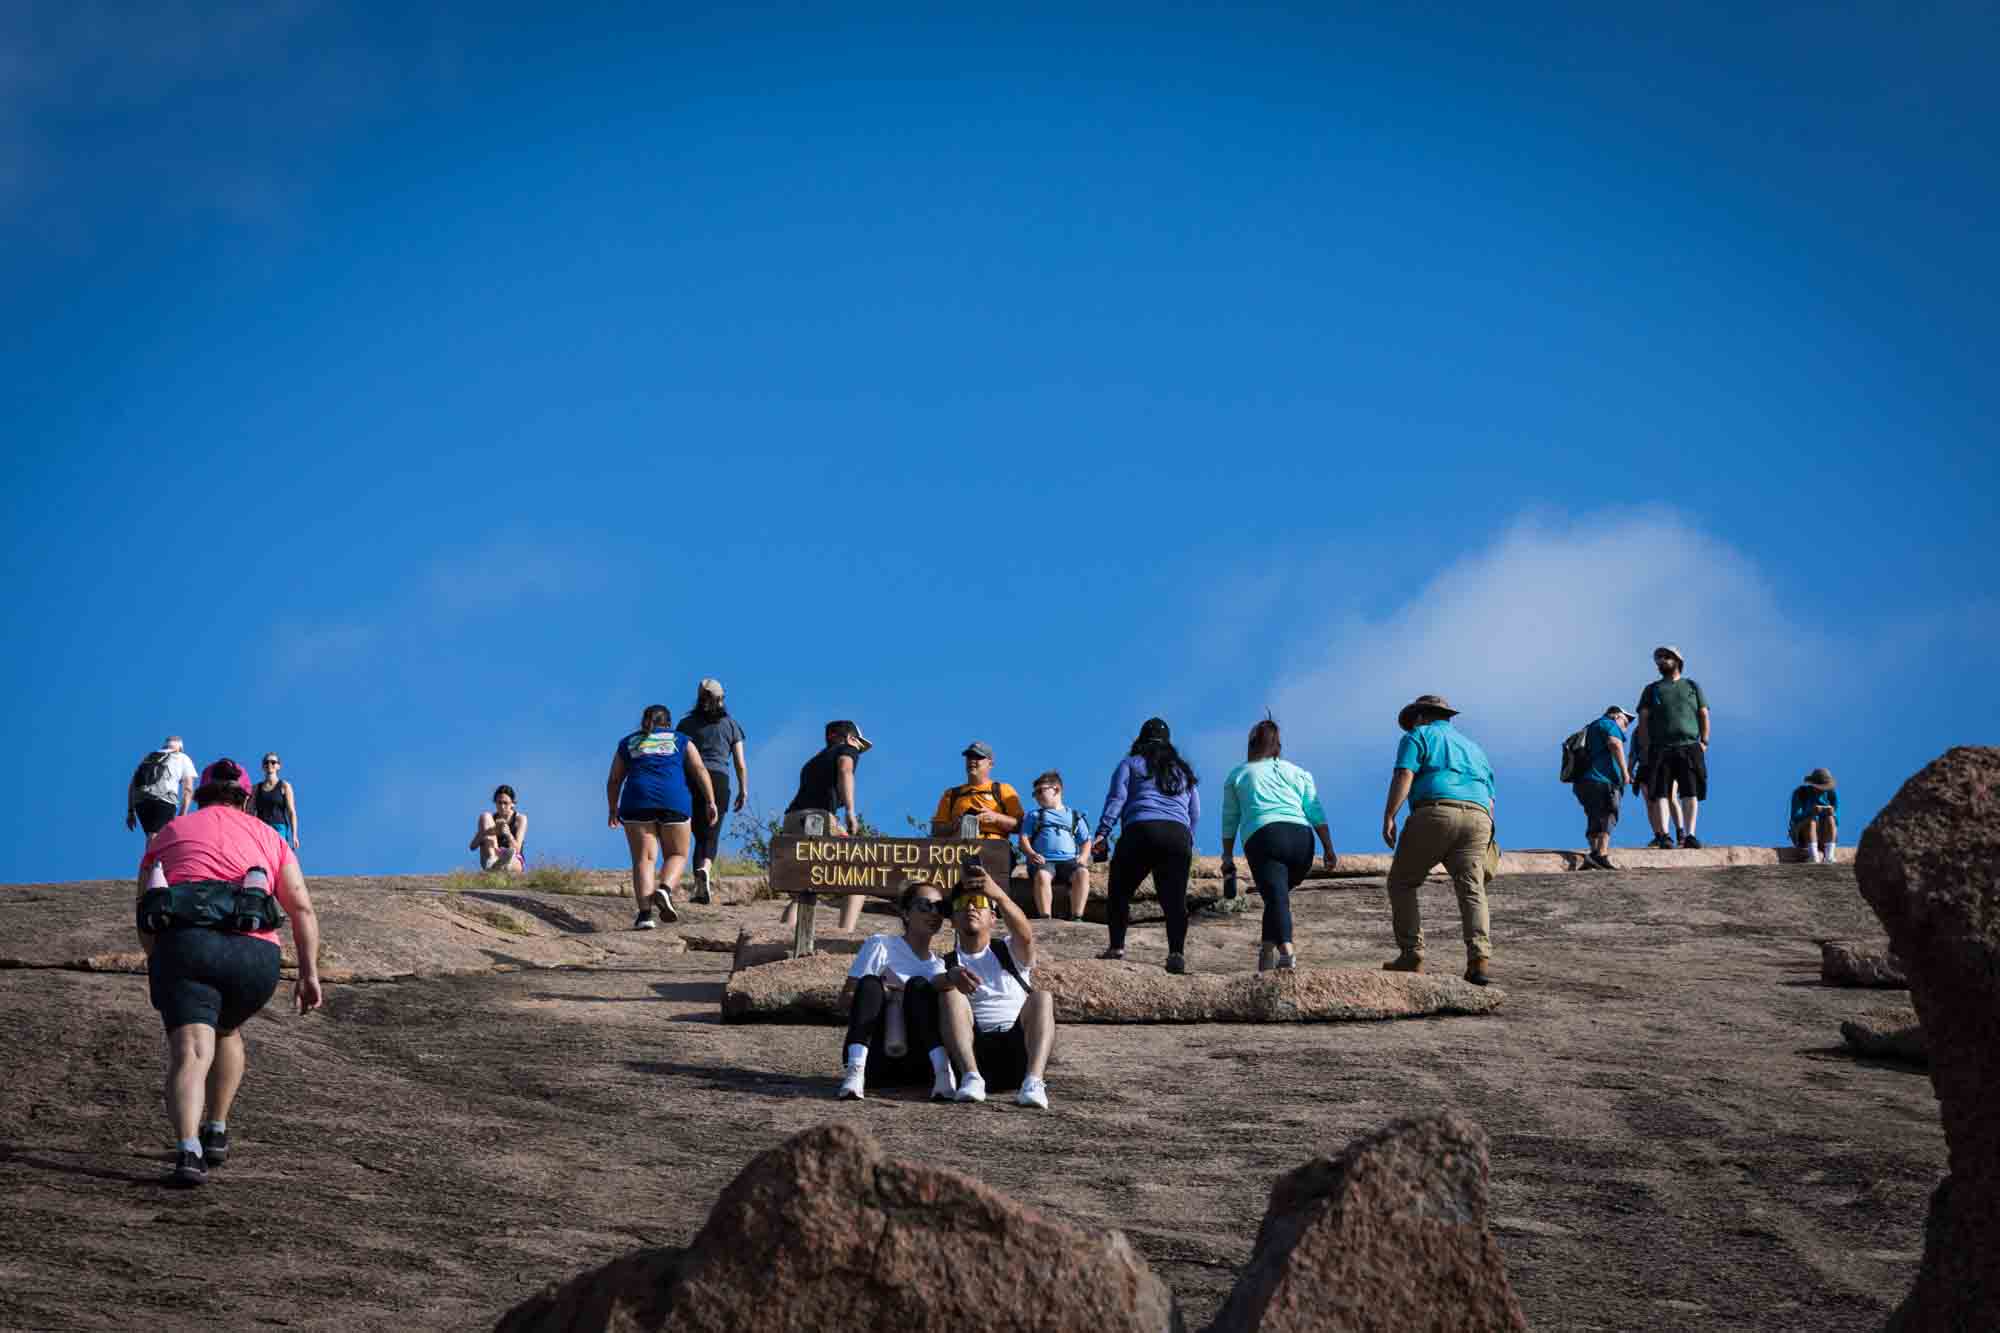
656, 778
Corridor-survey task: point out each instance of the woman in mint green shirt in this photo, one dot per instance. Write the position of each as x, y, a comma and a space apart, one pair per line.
1273, 806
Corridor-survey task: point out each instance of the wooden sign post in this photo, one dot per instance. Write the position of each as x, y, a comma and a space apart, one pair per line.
805, 866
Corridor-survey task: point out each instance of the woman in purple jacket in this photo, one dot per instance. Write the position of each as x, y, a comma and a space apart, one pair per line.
1153, 797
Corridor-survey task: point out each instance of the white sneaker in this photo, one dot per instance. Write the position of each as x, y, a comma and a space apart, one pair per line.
1033, 1092
852, 1083
944, 1086
1812, 855
972, 1088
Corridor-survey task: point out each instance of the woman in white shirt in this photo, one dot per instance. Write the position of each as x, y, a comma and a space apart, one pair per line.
895, 972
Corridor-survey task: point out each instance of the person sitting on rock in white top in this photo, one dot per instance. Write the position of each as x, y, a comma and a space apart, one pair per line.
998, 1028
892, 1023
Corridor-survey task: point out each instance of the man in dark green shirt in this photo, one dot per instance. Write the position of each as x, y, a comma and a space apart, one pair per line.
1673, 722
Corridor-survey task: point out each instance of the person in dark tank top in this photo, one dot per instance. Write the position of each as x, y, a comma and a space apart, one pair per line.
277, 805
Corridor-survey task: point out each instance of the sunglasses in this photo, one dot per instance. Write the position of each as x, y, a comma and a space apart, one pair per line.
270, 763
936, 905
972, 901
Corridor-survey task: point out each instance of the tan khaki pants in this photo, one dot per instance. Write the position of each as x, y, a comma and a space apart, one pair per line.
1456, 835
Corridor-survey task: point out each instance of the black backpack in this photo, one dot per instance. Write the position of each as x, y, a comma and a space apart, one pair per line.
1575, 756
1006, 961
152, 770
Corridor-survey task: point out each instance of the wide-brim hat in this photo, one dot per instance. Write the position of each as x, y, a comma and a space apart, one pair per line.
1821, 779
1677, 655
1424, 703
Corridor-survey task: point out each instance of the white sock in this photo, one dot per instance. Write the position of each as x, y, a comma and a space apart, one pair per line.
1812, 851
191, 1145
940, 1061
217, 1127
1829, 849
857, 1055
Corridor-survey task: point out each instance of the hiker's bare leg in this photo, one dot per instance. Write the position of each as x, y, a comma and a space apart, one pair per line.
645, 847
190, 1051
225, 1075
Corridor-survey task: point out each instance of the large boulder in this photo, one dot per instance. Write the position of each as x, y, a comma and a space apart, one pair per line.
824, 1231
1391, 1235
1930, 867
796, 990
1844, 964
1887, 1034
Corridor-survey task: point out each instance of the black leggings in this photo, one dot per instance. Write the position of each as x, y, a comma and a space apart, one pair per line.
866, 1023
1279, 857
1164, 849
708, 836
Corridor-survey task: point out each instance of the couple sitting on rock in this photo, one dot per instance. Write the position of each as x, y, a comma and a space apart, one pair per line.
968, 1021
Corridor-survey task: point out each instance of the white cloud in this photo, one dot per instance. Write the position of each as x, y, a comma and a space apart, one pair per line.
1538, 632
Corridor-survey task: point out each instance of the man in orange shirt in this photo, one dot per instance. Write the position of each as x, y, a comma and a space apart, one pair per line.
997, 804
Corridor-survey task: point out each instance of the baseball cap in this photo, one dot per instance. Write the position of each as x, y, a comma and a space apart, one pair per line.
231, 771
978, 750
710, 685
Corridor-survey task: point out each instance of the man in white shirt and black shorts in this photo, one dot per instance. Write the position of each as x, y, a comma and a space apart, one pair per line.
997, 1028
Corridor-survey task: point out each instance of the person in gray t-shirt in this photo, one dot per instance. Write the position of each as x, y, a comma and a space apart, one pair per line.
720, 739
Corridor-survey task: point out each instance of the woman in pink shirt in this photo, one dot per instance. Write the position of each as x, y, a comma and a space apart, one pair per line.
207, 980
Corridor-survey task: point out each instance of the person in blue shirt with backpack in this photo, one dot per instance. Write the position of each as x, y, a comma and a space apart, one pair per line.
1055, 842
1815, 818
1595, 764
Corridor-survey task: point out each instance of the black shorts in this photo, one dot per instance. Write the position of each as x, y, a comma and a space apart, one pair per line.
1600, 806
1060, 872
154, 814
1682, 765
653, 814
1002, 1056
210, 976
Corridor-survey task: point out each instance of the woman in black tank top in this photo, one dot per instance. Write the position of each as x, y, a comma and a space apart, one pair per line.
276, 805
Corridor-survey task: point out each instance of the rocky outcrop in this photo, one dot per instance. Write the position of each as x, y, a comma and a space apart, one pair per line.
1844, 964
754, 950
1887, 1034
824, 1232
1930, 867
1093, 991
1390, 1235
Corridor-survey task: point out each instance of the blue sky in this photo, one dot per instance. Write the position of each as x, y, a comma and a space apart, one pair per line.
421, 391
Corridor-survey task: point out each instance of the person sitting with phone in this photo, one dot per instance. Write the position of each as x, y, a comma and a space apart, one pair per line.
997, 1027
891, 1006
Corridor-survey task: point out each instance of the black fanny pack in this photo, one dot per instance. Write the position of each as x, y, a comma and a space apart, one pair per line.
208, 904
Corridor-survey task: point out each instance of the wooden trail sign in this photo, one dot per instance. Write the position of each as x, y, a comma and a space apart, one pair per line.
875, 866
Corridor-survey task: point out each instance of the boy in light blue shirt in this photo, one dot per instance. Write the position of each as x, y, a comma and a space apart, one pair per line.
1054, 842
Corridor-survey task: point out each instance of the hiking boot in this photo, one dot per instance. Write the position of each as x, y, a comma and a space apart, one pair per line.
644, 921
1599, 862
1662, 842
1690, 843
1405, 962
1589, 861
664, 901
189, 1169
1475, 972
1177, 964
1113, 955
702, 893
214, 1145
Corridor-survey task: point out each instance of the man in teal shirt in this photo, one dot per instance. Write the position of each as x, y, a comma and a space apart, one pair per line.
1448, 782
